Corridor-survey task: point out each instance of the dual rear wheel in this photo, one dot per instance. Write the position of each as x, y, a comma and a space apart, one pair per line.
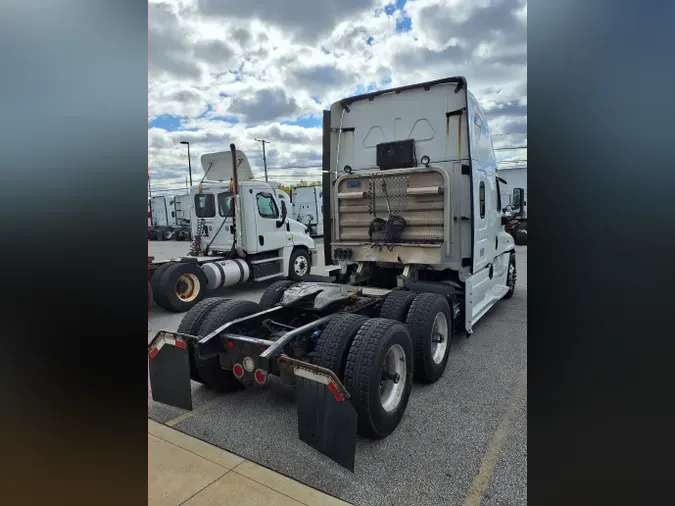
178, 286
377, 358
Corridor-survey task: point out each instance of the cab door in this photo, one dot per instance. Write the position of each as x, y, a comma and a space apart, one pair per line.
268, 214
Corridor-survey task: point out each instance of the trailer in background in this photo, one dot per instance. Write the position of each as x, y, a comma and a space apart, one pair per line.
514, 201
169, 218
307, 208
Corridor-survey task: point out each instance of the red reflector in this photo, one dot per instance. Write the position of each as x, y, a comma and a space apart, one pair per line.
260, 376
336, 393
153, 352
181, 344
238, 370
230, 344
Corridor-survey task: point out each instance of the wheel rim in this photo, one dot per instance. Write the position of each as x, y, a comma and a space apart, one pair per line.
188, 287
393, 381
300, 266
439, 338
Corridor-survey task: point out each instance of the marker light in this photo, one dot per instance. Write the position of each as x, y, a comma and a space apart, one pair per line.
249, 364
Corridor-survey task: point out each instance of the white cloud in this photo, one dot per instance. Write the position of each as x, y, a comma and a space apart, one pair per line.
224, 72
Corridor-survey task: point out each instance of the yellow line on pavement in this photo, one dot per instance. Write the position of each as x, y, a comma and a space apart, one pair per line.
190, 414
487, 465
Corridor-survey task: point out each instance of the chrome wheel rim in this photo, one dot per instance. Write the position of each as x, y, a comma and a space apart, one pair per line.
300, 266
439, 338
393, 380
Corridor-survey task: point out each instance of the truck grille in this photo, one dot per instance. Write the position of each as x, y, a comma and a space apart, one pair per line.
418, 197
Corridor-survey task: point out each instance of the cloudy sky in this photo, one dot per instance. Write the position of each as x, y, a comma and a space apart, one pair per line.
224, 71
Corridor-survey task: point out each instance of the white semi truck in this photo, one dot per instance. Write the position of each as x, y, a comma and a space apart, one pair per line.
308, 208
414, 237
170, 218
241, 232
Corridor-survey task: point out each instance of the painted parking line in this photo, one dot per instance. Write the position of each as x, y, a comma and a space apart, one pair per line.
189, 414
487, 465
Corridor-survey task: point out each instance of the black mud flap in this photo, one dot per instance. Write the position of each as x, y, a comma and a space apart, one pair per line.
327, 420
170, 370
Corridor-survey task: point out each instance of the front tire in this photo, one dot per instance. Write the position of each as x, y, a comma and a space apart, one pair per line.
300, 264
430, 323
378, 376
209, 370
511, 277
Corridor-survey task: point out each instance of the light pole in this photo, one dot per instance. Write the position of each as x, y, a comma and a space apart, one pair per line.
189, 162
263, 141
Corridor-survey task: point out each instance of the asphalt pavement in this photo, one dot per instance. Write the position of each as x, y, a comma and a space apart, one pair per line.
462, 440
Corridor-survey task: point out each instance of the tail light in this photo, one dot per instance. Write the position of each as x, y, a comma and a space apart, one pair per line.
260, 376
238, 370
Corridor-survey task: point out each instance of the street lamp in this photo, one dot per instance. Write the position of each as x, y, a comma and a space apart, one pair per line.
189, 162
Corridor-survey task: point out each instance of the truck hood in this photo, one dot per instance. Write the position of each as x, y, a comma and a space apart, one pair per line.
299, 231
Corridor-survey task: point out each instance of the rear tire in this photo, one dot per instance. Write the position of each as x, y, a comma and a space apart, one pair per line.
154, 283
209, 370
397, 304
429, 314
182, 286
191, 323
274, 293
334, 343
377, 344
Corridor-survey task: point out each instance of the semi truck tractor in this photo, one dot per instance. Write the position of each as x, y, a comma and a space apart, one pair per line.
415, 244
307, 208
238, 236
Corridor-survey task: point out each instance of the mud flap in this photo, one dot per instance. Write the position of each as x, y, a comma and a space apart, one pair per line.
327, 420
170, 370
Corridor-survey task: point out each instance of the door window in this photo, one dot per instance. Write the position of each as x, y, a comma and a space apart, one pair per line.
225, 204
205, 205
267, 208
481, 199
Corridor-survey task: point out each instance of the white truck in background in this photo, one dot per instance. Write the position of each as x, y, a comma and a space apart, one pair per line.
241, 232
170, 218
307, 205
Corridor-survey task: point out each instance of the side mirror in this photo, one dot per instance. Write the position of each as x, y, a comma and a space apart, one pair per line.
518, 200
284, 213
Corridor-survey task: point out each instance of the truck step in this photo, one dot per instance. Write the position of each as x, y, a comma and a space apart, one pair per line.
265, 278
265, 260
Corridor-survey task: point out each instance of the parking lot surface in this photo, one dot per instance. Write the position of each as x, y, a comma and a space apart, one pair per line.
462, 440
